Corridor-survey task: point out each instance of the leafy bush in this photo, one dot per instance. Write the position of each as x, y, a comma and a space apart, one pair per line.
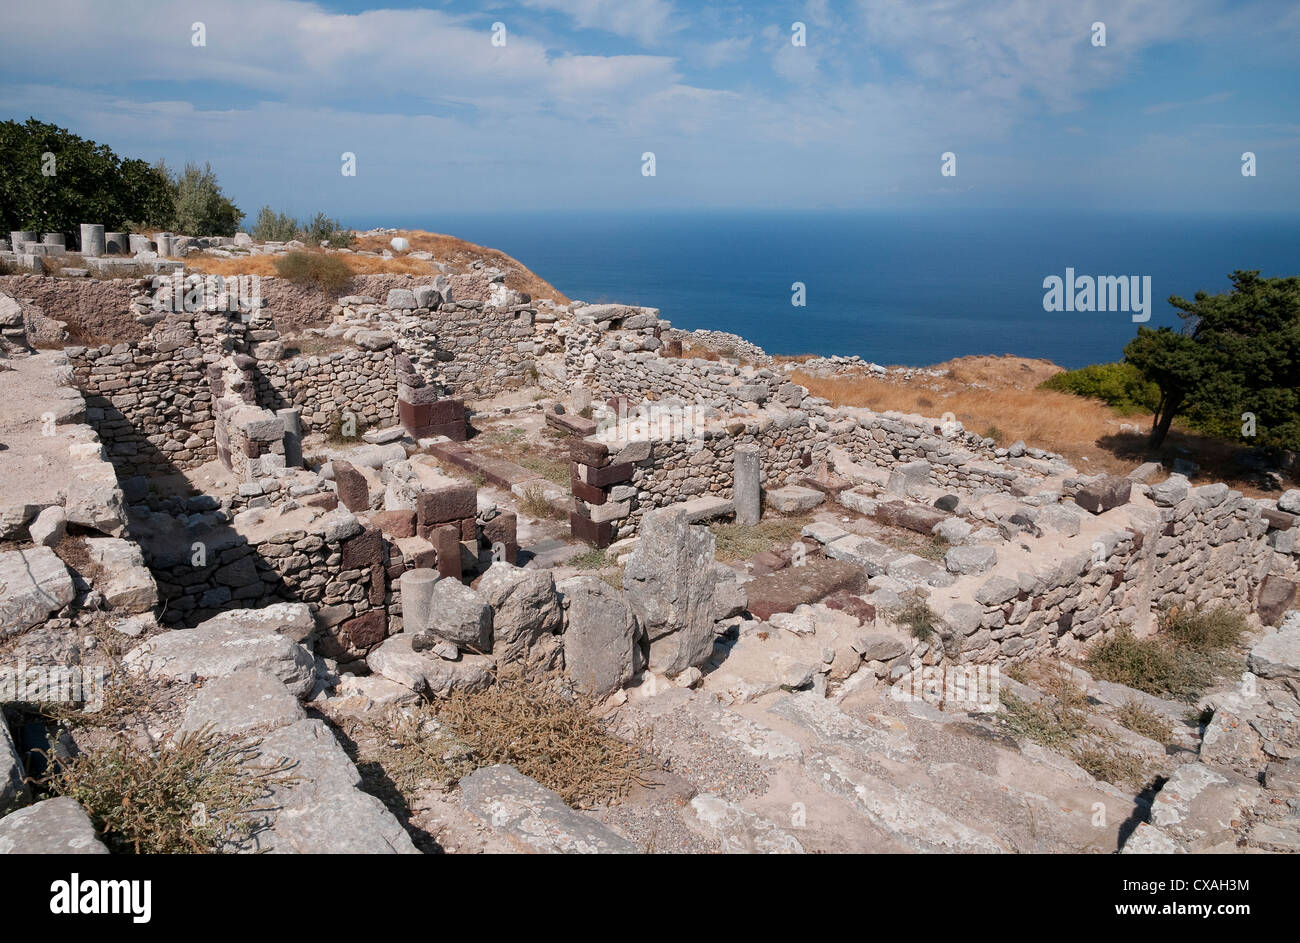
274, 227
329, 272
201, 208
1119, 385
1181, 660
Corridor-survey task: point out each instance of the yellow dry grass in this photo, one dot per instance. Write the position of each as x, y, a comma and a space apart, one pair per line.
446, 249
459, 252
1060, 422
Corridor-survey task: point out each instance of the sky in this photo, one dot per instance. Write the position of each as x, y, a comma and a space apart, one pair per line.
736, 115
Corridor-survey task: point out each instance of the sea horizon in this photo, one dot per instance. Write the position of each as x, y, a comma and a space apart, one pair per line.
898, 287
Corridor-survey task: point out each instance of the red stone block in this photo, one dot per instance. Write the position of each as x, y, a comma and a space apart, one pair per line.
589, 493
366, 630
589, 452
446, 539
451, 503
469, 529
584, 528
326, 499
610, 474
364, 550
395, 523
351, 485
453, 430
378, 585
502, 529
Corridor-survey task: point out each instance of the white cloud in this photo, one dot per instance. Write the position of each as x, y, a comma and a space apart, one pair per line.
647, 21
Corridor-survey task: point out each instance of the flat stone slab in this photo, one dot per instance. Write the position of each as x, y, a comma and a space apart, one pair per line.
34, 583
792, 499
521, 807
246, 700
871, 555
915, 517
1199, 807
1278, 655
324, 811
707, 508
793, 586
53, 827
223, 646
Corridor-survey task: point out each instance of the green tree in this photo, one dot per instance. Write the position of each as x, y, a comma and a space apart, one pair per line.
201, 208
1238, 352
323, 229
274, 227
51, 180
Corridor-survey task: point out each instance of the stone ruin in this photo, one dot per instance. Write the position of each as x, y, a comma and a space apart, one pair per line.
321, 527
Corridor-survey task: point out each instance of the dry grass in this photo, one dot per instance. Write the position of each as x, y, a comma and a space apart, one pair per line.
743, 541
1141, 719
537, 725
197, 796
1186, 656
549, 733
449, 249
1059, 422
265, 265
536, 505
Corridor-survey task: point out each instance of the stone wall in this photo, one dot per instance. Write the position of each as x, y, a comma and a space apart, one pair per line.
1197, 547
958, 459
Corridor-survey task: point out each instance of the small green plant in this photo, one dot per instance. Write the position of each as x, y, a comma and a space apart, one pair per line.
321, 229
1112, 765
274, 227
199, 795
327, 272
594, 559
916, 614
345, 428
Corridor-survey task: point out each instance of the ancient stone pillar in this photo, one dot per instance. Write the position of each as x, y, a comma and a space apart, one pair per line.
92, 239
746, 487
18, 237
54, 239
139, 243
417, 599
164, 241
115, 243
292, 419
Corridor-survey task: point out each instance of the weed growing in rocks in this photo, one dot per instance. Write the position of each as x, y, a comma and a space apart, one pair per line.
536, 505
917, 616
1141, 719
199, 795
539, 726
1186, 656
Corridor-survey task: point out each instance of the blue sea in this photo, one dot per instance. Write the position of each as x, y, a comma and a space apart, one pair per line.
900, 288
